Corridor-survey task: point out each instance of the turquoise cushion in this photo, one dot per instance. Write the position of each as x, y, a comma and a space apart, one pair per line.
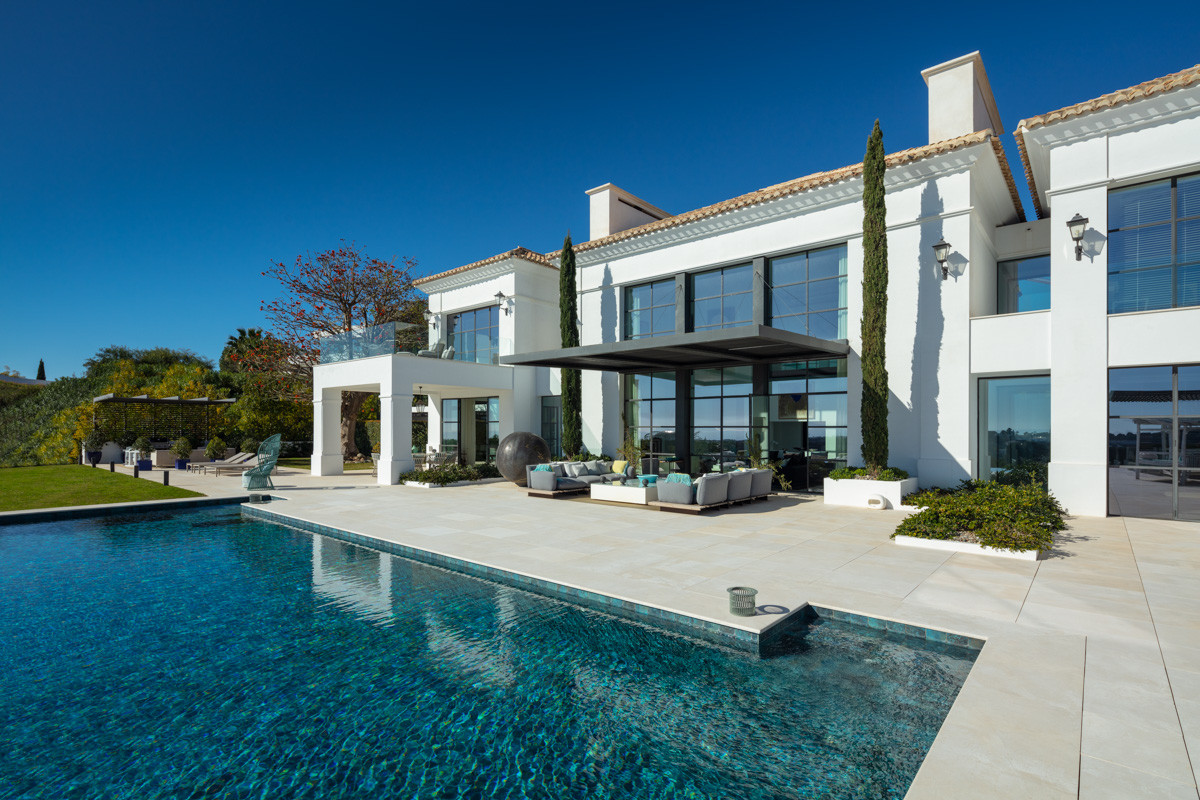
679, 477
543, 468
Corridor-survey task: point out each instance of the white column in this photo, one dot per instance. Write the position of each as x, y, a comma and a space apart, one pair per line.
327, 432
395, 434
434, 423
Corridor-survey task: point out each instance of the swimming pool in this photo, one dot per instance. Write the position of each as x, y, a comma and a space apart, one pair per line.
207, 654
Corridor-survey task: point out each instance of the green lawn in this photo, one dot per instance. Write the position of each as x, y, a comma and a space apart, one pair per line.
306, 463
76, 485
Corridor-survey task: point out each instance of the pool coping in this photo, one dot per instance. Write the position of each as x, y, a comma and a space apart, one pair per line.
56, 513
760, 641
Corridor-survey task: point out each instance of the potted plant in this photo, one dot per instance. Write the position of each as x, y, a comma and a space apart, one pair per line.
182, 448
142, 445
93, 444
215, 450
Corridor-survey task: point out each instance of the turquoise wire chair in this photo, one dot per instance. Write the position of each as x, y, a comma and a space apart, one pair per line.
259, 476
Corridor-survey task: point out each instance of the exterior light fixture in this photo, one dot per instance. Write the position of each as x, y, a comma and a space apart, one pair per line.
431, 317
500, 298
941, 251
1077, 225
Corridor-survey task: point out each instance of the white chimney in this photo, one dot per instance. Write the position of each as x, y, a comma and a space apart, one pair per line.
615, 210
960, 99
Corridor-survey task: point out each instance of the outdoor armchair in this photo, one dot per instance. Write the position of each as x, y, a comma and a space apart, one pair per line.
259, 477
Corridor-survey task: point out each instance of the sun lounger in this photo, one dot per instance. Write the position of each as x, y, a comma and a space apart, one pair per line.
238, 460
227, 468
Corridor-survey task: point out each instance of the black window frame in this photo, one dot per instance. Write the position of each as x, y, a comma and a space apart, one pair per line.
627, 311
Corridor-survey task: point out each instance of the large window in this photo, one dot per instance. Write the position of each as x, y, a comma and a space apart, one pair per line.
1014, 423
1023, 285
1154, 245
808, 292
475, 335
728, 422
552, 423
650, 411
650, 309
1154, 442
809, 419
723, 298
450, 426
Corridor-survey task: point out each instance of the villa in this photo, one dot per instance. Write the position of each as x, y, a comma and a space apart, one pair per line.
1068, 336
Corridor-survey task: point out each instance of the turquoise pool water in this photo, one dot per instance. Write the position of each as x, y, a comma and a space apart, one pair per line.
206, 655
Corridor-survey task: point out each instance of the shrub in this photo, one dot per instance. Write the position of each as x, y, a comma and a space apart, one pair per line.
126, 440
452, 473
181, 447
249, 445
94, 441
993, 514
886, 474
143, 446
215, 448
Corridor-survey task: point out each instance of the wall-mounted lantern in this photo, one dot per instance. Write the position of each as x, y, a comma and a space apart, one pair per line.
500, 298
1077, 225
941, 251
431, 318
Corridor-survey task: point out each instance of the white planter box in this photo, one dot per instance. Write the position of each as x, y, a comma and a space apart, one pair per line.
967, 547
854, 492
420, 485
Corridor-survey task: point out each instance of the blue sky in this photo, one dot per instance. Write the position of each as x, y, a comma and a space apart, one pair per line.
155, 157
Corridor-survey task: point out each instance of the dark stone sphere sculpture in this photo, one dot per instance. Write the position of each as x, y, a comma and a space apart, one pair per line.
518, 450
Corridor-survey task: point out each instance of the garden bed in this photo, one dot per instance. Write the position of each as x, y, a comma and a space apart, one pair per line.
427, 485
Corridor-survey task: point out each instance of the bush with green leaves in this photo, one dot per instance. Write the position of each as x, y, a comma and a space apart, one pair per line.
94, 441
182, 448
863, 473
992, 514
249, 445
452, 473
215, 448
143, 446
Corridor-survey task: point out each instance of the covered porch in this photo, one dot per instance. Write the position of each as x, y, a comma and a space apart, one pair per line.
396, 378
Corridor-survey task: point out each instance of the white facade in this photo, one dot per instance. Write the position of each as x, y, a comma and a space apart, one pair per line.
944, 335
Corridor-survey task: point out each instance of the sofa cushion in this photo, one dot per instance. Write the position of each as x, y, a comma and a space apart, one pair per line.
761, 482
560, 470
712, 488
543, 468
593, 468
739, 485
619, 467
679, 477
543, 480
606, 467
590, 479
575, 469
674, 492
570, 483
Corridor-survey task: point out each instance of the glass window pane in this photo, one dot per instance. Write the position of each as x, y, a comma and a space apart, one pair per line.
827, 263
706, 383
706, 313
663, 385
1140, 247
738, 380
737, 279
638, 296
1187, 196
633, 414
735, 411
1189, 241
737, 309
1187, 285
789, 269
637, 386
826, 325
1189, 443
789, 300
827, 376
663, 320
1189, 390
637, 324
789, 407
794, 386
1014, 422
706, 284
797, 323
1139, 392
706, 412
829, 409
662, 413
1139, 205
824, 294
1023, 285
664, 293
1143, 290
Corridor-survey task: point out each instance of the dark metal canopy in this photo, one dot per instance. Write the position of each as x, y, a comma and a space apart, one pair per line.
750, 344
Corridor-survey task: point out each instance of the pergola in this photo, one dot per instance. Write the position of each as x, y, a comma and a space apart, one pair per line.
161, 418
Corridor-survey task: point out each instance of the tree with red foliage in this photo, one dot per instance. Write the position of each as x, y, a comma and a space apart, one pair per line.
330, 293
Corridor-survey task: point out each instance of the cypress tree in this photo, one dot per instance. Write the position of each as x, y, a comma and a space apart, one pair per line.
572, 422
41, 376
874, 316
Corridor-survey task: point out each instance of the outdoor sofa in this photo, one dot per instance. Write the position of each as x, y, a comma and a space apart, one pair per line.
575, 476
713, 490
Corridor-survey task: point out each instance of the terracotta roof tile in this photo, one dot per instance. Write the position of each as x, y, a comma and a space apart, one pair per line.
516, 252
813, 181
1167, 83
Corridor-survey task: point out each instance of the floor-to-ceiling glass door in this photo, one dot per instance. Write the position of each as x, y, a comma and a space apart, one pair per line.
471, 429
1154, 442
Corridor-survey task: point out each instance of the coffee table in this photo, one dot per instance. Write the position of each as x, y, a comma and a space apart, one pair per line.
616, 493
